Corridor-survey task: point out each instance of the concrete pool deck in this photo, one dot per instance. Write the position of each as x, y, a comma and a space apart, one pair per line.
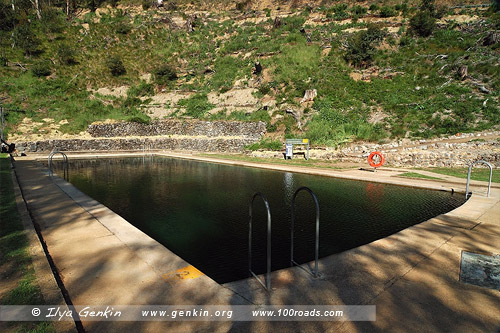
412, 276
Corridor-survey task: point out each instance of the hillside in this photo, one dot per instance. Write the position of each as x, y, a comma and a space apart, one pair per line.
376, 76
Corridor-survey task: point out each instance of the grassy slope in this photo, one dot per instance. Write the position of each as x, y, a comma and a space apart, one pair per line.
482, 174
427, 100
15, 263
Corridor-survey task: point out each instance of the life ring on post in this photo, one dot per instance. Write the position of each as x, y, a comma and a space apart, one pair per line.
372, 163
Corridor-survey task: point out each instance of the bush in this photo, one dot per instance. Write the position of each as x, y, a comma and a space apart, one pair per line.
387, 11
115, 66
3, 60
25, 39
53, 20
264, 89
42, 68
7, 17
361, 48
143, 89
123, 28
241, 6
196, 105
146, 4
66, 54
374, 7
164, 73
402, 8
423, 23
427, 6
358, 10
268, 144
141, 119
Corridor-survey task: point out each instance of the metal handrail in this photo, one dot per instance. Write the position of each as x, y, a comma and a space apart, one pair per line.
316, 253
65, 164
267, 285
468, 177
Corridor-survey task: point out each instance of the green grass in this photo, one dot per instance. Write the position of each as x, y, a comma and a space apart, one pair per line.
416, 175
266, 144
482, 174
15, 261
218, 53
297, 161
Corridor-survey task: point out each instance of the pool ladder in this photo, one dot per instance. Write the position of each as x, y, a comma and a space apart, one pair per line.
65, 164
468, 177
267, 283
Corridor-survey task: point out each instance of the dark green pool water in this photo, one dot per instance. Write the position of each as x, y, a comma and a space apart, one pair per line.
199, 210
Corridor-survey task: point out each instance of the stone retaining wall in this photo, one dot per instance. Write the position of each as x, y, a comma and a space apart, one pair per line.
117, 144
429, 155
187, 127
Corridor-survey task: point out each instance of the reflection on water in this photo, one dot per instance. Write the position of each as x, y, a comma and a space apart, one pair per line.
200, 210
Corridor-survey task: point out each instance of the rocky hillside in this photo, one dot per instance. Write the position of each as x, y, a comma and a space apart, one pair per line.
335, 72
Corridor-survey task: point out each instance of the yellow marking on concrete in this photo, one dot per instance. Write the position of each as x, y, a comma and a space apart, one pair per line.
185, 273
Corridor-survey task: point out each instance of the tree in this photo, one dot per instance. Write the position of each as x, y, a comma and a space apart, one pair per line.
423, 22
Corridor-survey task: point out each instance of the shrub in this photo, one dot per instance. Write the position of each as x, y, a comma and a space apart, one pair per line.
131, 101
53, 20
42, 68
143, 89
164, 73
358, 10
123, 28
402, 7
115, 66
427, 6
387, 11
264, 89
423, 23
265, 143
146, 4
66, 54
374, 7
25, 39
405, 41
196, 106
361, 48
141, 119
7, 17
241, 6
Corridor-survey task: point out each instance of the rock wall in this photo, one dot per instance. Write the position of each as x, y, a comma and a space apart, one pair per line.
117, 144
435, 153
186, 127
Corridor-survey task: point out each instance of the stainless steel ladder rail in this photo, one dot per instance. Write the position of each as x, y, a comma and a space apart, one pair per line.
267, 285
65, 164
468, 176
316, 249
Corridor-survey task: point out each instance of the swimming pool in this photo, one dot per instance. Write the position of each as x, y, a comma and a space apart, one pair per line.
199, 210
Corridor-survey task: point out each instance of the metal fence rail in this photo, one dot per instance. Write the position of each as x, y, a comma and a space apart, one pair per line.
316, 246
267, 285
65, 164
468, 177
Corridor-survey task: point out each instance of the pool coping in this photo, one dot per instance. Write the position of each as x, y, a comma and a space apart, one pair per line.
465, 212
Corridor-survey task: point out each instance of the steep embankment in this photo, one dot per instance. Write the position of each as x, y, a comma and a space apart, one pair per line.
335, 73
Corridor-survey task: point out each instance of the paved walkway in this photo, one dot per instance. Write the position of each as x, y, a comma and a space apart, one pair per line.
412, 276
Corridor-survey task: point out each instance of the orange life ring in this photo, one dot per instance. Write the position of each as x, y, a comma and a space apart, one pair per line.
379, 164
